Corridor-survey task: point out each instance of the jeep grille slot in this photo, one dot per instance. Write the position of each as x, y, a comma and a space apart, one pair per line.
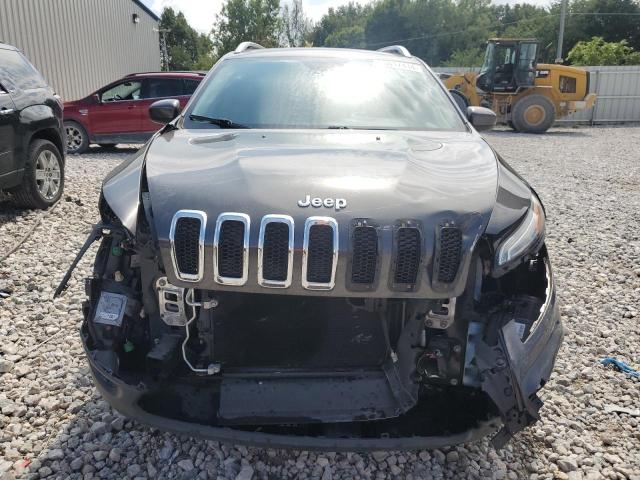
231, 249
187, 244
408, 253
275, 251
365, 255
320, 253
231, 246
319, 267
449, 252
275, 260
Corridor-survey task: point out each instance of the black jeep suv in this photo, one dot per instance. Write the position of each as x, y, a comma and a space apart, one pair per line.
31, 134
321, 252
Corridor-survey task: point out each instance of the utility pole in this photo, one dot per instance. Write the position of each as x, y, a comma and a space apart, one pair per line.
563, 14
163, 43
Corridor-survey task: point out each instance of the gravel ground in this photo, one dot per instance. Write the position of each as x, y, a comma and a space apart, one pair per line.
54, 424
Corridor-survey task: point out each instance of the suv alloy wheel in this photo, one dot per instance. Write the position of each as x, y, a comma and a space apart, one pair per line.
77, 138
43, 176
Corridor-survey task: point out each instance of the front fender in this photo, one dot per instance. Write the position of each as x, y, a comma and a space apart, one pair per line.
513, 200
34, 120
121, 187
78, 118
38, 117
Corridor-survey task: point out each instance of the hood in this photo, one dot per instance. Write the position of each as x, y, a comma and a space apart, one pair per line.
385, 177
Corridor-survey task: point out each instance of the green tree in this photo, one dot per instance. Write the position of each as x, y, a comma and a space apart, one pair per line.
388, 23
523, 20
247, 20
430, 29
613, 20
342, 27
598, 52
471, 57
206, 56
436, 30
348, 37
186, 48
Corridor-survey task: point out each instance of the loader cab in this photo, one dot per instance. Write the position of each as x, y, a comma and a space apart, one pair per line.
509, 65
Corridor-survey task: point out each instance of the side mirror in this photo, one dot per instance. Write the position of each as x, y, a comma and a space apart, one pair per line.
481, 118
96, 98
163, 111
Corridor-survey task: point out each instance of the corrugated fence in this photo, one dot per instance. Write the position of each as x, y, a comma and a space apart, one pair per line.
618, 90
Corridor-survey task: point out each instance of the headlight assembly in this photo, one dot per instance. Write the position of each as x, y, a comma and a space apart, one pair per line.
107, 214
527, 237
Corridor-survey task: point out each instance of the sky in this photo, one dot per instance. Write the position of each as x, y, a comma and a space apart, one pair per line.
202, 13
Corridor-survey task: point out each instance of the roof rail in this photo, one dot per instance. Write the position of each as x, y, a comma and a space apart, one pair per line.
195, 72
396, 50
244, 46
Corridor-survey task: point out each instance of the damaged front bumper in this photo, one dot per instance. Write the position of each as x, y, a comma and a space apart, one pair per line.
512, 371
510, 367
127, 400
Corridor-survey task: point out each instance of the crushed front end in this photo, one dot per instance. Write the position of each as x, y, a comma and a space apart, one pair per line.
290, 343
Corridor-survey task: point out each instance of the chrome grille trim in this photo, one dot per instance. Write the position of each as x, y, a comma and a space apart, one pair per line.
310, 222
202, 217
238, 217
266, 220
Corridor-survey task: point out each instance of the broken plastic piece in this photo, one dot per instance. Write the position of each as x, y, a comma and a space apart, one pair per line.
615, 408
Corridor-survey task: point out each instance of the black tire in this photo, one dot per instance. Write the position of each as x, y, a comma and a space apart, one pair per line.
460, 99
533, 114
38, 184
76, 137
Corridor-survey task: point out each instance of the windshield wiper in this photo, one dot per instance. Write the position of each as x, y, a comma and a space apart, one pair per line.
220, 122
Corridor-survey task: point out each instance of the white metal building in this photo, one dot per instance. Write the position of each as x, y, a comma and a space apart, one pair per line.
80, 45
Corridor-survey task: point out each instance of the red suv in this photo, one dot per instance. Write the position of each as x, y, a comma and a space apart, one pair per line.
119, 112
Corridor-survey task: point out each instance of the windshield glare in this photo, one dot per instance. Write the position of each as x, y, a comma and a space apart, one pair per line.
325, 93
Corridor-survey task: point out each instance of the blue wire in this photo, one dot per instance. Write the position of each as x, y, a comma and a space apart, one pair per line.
619, 365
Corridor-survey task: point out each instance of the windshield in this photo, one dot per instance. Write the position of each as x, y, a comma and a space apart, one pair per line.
489, 59
324, 93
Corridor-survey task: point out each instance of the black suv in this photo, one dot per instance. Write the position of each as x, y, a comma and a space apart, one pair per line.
31, 138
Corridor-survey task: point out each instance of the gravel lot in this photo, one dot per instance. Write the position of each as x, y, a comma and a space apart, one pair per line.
54, 424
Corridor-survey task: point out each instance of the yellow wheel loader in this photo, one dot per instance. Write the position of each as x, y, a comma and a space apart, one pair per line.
524, 94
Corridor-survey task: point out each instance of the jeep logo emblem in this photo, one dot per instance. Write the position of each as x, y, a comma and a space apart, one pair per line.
317, 202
